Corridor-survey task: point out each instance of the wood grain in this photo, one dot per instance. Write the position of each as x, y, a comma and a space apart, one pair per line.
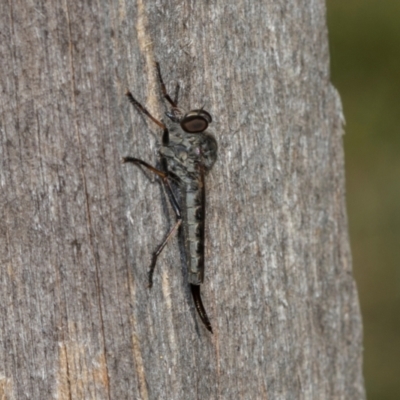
78, 228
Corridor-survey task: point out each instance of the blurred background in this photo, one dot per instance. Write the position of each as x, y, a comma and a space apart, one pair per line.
364, 40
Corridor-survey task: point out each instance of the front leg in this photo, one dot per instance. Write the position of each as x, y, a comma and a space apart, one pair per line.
174, 203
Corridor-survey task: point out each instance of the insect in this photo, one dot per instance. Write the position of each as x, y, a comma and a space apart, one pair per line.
187, 152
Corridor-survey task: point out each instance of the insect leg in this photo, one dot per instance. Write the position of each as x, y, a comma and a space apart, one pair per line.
143, 109
176, 96
163, 88
133, 160
174, 203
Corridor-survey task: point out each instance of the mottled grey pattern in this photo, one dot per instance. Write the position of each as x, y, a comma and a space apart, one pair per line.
77, 229
190, 157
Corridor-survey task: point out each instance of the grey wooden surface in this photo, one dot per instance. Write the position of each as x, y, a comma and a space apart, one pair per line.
78, 228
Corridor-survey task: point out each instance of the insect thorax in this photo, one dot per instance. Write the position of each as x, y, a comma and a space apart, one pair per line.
186, 153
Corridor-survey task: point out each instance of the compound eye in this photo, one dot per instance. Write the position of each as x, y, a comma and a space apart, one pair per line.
196, 121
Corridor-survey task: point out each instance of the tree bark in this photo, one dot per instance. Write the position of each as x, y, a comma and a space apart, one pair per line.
78, 227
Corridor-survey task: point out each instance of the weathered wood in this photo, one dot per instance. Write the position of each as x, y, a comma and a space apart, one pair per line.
78, 228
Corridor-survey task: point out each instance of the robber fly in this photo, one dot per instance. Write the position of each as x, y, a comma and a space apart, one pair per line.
187, 153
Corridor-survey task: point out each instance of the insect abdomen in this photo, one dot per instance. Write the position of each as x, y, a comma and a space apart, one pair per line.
194, 233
